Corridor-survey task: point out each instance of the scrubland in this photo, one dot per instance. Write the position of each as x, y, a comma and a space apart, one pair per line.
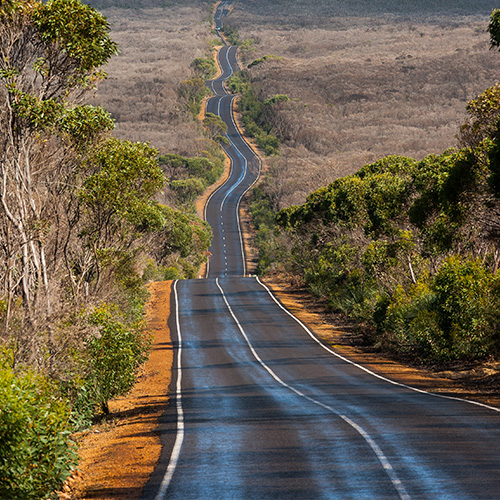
365, 79
158, 41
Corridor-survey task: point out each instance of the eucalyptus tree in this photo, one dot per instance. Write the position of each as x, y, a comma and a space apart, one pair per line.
50, 56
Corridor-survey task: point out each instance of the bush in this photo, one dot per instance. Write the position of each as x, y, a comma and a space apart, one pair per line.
205, 67
114, 354
411, 323
187, 190
253, 113
452, 317
464, 303
206, 169
36, 452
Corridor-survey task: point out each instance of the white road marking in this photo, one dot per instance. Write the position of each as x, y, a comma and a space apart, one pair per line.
174, 457
242, 247
386, 465
361, 367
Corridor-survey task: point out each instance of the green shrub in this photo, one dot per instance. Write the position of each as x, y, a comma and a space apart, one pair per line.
205, 67
464, 303
187, 190
36, 452
452, 317
411, 323
207, 170
253, 112
114, 354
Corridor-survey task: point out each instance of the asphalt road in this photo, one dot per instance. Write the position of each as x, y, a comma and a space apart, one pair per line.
262, 410
222, 207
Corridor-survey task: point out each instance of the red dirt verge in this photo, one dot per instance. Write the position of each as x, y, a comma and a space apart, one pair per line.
119, 454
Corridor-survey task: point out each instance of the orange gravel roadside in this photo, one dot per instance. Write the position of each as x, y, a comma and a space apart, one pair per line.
119, 455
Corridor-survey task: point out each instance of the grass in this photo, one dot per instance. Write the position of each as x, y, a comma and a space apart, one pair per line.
366, 79
157, 46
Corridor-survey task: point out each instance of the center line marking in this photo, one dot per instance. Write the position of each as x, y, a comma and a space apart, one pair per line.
386, 465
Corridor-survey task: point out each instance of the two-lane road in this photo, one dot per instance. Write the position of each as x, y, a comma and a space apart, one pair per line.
262, 410
222, 209
269, 413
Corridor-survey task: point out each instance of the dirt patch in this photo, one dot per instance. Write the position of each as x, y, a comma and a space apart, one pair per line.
119, 455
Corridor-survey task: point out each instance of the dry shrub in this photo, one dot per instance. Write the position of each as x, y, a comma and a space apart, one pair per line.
157, 47
367, 79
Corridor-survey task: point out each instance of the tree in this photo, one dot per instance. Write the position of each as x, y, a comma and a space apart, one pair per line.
204, 68
494, 29
214, 126
50, 54
482, 117
191, 92
117, 207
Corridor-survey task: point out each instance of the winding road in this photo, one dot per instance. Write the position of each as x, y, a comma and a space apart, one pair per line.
261, 409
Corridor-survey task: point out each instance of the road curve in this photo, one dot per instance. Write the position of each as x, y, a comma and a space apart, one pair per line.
262, 410
222, 208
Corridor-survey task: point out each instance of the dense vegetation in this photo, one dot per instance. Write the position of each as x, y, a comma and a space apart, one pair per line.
408, 247
189, 177
257, 113
81, 230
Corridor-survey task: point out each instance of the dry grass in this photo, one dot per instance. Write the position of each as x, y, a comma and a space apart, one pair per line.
368, 78
157, 46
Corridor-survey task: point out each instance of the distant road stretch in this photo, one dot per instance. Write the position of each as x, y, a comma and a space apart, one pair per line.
260, 409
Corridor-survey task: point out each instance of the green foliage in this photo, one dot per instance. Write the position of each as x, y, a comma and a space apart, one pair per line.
125, 178
494, 29
261, 60
494, 164
254, 112
187, 190
205, 67
189, 177
396, 245
115, 353
78, 29
198, 167
214, 126
370, 199
36, 452
239, 83
84, 124
276, 99
6, 7
191, 93
453, 316
39, 114
482, 116
87, 205
185, 235
263, 219
231, 34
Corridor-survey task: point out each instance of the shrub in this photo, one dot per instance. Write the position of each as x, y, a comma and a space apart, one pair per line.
463, 303
36, 452
253, 112
114, 354
187, 190
452, 317
204, 67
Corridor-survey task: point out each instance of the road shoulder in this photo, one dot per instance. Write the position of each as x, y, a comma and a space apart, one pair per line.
119, 454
